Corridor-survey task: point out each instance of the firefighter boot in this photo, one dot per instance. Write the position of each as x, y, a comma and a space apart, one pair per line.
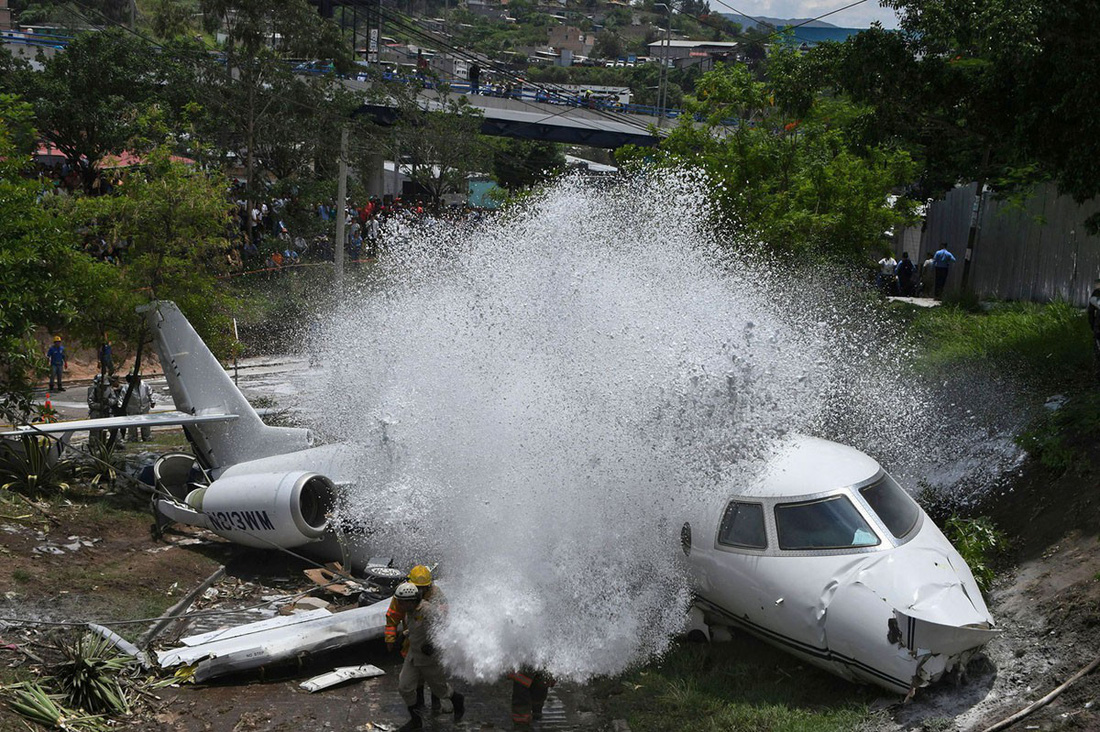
414, 723
459, 703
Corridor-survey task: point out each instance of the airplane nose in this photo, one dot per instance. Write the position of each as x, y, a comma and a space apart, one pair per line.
912, 603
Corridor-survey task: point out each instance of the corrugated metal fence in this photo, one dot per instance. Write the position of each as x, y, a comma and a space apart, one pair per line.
1040, 252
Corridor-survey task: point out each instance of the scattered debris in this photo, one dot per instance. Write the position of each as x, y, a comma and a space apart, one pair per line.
178, 609
121, 644
72, 544
305, 603
334, 579
340, 675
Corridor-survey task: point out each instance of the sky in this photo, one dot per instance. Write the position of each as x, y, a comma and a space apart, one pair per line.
861, 16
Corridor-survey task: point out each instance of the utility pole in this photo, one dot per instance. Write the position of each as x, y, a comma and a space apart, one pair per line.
662, 93
341, 208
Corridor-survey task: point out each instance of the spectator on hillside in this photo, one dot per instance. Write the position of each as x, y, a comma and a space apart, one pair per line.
927, 275
474, 74
886, 281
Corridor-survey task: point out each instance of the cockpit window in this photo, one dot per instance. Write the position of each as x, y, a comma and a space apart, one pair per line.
896, 509
829, 523
743, 525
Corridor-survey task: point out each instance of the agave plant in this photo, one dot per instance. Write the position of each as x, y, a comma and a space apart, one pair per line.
32, 466
90, 676
105, 461
33, 702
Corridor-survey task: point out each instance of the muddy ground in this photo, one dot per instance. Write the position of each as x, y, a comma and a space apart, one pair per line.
91, 555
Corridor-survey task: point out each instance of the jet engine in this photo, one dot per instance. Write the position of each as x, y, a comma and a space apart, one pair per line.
267, 509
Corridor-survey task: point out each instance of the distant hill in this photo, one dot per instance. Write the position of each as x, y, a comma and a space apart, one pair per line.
746, 22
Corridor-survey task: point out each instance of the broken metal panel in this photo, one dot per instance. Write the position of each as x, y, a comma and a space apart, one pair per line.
121, 644
278, 621
340, 675
256, 649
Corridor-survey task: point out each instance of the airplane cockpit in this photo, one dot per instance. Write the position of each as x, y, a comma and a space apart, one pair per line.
874, 515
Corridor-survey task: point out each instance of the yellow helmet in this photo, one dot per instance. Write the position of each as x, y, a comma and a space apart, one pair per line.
421, 576
57, 339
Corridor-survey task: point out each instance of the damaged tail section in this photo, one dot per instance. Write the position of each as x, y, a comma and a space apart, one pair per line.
199, 385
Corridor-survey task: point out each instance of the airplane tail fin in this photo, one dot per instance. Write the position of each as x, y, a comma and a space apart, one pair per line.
199, 385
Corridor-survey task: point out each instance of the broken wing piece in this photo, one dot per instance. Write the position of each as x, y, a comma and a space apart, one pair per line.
259, 644
161, 419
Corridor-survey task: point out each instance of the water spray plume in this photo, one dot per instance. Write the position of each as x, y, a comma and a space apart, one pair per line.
541, 398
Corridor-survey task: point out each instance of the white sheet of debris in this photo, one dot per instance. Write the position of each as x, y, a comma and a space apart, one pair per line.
259, 644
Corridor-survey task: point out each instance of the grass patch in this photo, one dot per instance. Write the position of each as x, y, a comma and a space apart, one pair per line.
1050, 343
742, 685
1061, 439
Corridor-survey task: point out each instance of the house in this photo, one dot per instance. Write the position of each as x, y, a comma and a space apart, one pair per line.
690, 53
570, 38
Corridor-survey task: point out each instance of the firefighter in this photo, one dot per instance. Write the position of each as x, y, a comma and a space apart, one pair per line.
422, 660
529, 690
99, 403
421, 576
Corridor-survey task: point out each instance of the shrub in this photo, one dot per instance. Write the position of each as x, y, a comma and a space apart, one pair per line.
32, 466
979, 542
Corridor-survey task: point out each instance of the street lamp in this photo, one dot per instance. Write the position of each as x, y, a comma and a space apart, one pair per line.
662, 94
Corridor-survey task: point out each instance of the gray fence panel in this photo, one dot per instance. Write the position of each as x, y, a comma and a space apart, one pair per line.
1039, 252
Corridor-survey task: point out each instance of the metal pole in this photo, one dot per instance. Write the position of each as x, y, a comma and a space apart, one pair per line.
662, 94
341, 207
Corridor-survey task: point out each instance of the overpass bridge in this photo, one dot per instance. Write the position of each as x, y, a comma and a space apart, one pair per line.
528, 119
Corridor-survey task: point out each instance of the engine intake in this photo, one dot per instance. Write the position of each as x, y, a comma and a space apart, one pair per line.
266, 509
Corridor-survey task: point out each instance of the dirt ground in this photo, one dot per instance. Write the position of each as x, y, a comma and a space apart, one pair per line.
92, 556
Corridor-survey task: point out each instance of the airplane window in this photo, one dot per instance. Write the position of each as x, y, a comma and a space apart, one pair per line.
831, 523
743, 525
896, 509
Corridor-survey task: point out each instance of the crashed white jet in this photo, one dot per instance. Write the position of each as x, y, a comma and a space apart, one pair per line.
824, 555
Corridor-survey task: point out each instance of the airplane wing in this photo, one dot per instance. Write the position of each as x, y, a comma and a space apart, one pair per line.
160, 419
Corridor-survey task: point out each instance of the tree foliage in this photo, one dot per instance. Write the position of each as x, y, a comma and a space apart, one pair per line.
88, 98
174, 219
995, 90
797, 185
42, 277
519, 164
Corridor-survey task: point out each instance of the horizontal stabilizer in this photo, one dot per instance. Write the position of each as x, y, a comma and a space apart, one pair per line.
160, 419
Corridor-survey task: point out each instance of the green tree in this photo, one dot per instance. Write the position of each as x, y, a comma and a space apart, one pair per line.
798, 185
608, 45
521, 164
994, 90
87, 98
43, 278
173, 219
442, 145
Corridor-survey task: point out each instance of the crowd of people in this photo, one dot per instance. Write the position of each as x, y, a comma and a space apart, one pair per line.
904, 279
262, 238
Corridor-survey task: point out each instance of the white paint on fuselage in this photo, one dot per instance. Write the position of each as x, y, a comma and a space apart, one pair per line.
833, 607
